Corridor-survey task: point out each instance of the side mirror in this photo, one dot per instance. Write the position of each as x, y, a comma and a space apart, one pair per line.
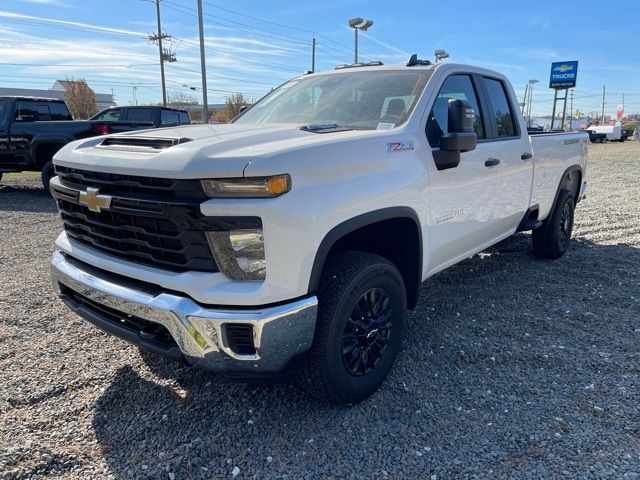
461, 137
243, 108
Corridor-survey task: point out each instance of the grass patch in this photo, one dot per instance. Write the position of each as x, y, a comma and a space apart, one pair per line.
19, 175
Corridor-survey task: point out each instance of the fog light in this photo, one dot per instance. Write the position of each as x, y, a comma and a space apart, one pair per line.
239, 253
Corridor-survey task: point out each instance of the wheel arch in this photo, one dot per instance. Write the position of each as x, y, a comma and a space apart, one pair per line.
44, 150
356, 234
571, 181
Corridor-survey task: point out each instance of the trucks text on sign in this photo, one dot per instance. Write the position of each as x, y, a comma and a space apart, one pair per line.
563, 74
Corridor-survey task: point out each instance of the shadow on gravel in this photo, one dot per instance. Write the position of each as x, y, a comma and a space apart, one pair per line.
504, 362
25, 197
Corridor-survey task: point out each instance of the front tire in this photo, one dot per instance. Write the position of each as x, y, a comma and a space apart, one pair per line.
47, 174
359, 329
552, 239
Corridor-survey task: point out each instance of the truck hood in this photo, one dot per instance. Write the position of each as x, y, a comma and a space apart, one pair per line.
206, 151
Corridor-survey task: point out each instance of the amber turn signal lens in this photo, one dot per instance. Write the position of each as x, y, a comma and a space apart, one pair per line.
278, 185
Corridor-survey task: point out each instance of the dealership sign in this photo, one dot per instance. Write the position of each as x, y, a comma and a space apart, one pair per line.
563, 74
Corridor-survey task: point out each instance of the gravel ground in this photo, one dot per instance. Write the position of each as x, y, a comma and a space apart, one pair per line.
512, 368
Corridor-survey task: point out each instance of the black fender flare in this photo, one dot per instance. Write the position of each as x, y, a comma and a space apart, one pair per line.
565, 175
355, 223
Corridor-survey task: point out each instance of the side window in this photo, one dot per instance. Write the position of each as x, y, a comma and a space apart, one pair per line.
168, 117
503, 113
109, 115
31, 112
455, 87
184, 117
59, 111
140, 114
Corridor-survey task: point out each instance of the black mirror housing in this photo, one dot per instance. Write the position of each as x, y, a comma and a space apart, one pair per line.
461, 137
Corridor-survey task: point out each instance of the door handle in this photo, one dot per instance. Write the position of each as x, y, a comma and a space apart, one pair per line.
526, 156
492, 162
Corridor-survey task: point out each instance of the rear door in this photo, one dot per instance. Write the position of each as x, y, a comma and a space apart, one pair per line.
510, 144
463, 199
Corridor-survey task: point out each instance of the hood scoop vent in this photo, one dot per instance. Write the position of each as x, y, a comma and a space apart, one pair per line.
140, 144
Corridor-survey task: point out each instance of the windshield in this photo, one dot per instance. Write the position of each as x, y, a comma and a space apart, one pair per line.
3, 106
371, 100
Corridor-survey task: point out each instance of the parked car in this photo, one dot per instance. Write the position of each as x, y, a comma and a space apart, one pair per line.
292, 241
159, 116
32, 130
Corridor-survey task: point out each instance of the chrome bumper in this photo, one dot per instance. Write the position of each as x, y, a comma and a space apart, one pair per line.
279, 333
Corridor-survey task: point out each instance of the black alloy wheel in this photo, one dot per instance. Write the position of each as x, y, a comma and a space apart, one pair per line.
366, 335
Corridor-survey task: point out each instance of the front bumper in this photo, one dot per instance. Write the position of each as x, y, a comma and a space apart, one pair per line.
120, 305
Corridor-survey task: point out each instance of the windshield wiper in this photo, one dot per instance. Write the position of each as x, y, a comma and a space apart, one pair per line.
324, 128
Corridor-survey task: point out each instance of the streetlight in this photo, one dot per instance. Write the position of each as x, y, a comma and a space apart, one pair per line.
359, 24
440, 55
531, 83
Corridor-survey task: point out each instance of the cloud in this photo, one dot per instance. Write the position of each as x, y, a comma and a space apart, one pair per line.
20, 16
53, 3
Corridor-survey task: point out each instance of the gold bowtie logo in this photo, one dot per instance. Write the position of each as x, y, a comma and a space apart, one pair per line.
93, 200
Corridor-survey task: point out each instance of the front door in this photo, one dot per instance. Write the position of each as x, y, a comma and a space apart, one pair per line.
463, 198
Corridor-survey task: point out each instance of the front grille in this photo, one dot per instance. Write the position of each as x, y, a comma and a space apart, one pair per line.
159, 233
147, 330
127, 185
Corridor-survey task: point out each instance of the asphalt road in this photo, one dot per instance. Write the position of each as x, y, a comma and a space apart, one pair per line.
512, 367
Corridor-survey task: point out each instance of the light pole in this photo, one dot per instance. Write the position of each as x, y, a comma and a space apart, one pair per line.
531, 84
359, 24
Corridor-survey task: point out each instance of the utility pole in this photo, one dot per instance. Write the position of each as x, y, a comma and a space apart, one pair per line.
603, 96
313, 54
524, 99
165, 55
571, 113
205, 104
160, 35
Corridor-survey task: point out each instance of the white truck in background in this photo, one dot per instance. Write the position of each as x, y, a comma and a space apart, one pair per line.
606, 133
292, 241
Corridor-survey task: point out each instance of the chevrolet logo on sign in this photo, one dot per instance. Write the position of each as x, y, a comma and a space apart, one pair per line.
93, 200
563, 75
563, 68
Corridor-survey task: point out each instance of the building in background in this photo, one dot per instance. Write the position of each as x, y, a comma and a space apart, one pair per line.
57, 91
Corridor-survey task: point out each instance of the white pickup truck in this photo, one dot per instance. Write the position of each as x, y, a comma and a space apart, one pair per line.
291, 242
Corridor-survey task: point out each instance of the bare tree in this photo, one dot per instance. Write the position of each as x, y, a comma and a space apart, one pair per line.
180, 99
80, 99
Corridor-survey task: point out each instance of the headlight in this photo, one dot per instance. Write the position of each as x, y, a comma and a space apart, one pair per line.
247, 187
239, 253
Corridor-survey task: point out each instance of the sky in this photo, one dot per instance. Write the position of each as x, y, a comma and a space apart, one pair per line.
254, 45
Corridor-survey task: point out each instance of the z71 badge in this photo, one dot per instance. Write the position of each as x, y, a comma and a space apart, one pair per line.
400, 146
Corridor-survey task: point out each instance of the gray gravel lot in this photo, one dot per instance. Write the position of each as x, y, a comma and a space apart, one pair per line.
512, 367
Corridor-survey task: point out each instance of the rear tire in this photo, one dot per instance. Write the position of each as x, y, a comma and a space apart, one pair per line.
362, 306
552, 239
47, 174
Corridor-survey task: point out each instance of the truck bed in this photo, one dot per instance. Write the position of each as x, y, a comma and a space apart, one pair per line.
553, 154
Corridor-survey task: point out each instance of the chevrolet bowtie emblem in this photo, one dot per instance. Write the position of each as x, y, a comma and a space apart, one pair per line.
94, 201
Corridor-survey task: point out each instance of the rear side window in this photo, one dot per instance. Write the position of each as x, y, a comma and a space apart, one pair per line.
31, 112
109, 115
140, 114
184, 117
455, 87
169, 117
503, 114
59, 111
